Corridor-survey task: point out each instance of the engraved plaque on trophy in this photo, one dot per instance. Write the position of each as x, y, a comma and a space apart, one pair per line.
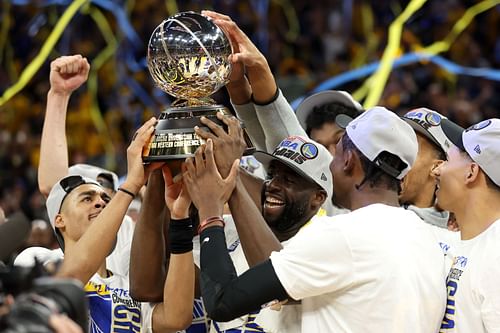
188, 59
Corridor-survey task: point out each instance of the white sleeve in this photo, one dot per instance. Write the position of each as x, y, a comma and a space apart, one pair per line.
147, 317
490, 294
317, 260
278, 121
246, 113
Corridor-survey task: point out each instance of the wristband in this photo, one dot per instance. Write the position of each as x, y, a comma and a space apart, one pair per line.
180, 236
126, 191
208, 221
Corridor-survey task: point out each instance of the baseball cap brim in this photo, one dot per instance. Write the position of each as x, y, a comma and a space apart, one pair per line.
265, 159
453, 132
322, 98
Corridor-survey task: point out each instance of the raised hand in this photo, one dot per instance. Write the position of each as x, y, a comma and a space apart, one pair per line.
227, 146
207, 188
176, 195
137, 173
68, 73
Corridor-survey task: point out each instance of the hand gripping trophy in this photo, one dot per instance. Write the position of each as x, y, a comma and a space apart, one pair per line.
188, 59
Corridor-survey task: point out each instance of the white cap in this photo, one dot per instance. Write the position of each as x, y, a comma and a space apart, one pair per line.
306, 157
482, 142
430, 124
57, 195
92, 172
322, 98
377, 130
41, 254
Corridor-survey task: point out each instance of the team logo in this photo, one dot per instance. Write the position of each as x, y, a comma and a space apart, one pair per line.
479, 126
309, 150
433, 118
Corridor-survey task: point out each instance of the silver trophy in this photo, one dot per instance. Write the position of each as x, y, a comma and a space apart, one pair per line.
188, 59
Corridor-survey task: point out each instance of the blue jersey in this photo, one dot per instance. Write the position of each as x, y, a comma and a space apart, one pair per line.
112, 310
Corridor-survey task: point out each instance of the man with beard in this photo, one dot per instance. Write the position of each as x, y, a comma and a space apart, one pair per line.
469, 185
378, 266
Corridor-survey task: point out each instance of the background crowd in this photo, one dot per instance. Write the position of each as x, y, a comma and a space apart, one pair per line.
305, 42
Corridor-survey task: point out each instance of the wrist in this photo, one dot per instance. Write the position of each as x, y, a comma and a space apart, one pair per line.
130, 187
59, 93
208, 212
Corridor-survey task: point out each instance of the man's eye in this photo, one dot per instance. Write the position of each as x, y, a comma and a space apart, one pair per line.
87, 199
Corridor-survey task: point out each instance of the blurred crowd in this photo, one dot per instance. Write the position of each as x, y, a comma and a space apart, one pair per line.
305, 42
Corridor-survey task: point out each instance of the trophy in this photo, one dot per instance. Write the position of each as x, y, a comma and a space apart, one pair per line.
188, 59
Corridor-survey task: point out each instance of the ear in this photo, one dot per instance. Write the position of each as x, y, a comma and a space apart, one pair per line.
349, 162
318, 199
59, 222
472, 173
434, 167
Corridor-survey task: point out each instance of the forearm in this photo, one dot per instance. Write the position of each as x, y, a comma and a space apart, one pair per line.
147, 256
253, 186
246, 113
257, 239
278, 121
83, 259
239, 91
225, 295
262, 81
176, 312
53, 147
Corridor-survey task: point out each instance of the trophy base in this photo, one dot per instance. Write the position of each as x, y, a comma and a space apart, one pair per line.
174, 136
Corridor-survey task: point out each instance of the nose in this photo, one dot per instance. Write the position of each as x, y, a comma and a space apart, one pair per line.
100, 203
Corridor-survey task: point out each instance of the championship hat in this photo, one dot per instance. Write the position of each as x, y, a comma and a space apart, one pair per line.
377, 130
306, 157
482, 142
57, 195
325, 97
431, 124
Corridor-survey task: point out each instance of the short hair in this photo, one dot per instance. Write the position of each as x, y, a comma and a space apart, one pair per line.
489, 182
326, 114
374, 176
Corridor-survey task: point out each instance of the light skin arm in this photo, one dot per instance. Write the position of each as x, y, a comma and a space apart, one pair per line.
67, 74
85, 257
175, 313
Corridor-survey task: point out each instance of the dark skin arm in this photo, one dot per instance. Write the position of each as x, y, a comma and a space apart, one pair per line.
147, 257
245, 207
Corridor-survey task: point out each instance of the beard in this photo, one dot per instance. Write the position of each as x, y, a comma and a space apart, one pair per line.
293, 215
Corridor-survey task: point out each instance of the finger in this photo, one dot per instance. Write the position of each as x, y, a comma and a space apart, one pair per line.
215, 15
189, 167
167, 175
205, 135
231, 178
198, 159
154, 166
209, 156
233, 124
216, 129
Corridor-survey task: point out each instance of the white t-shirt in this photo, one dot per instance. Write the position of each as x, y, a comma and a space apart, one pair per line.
378, 268
474, 285
111, 309
119, 260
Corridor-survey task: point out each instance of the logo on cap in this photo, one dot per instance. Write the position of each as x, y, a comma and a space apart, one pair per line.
433, 119
479, 126
309, 150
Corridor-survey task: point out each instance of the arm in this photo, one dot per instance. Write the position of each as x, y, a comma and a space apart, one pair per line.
175, 313
275, 115
90, 251
244, 207
147, 257
66, 75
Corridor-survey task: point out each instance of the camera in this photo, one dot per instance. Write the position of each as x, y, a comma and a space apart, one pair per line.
36, 297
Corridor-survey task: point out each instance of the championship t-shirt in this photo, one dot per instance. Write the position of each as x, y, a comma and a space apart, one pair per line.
473, 284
